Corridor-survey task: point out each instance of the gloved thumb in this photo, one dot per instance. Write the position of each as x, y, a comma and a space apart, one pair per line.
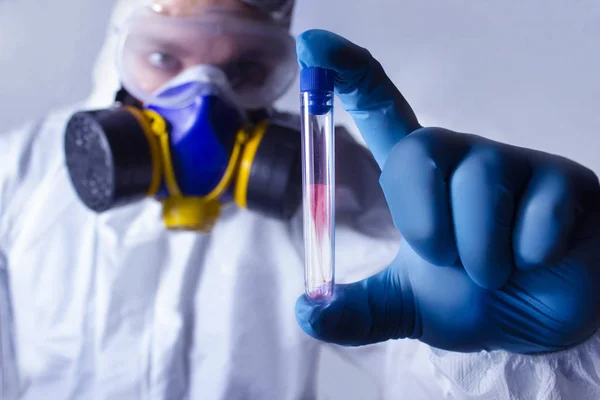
379, 110
360, 313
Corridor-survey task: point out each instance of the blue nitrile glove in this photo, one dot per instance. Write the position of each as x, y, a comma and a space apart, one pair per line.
502, 244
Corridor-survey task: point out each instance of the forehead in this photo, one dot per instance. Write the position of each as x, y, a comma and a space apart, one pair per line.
188, 8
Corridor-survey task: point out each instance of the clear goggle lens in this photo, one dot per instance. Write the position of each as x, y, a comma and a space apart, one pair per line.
257, 58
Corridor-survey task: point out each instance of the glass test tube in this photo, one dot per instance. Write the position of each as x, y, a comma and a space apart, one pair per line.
318, 175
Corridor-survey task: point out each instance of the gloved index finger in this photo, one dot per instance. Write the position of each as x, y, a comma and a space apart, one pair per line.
379, 110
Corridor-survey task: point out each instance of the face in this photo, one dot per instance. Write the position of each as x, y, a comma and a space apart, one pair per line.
179, 34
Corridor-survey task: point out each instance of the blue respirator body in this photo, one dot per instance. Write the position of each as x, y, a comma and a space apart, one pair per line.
202, 137
193, 157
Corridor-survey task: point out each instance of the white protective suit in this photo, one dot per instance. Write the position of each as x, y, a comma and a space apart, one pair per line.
114, 306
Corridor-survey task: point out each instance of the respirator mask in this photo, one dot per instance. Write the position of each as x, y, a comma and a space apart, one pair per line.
191, 126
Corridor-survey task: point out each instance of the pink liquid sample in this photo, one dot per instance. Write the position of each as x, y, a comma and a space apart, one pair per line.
320, 275
321, 293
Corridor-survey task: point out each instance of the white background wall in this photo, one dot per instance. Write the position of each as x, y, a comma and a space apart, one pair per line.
524, 72
520, 71
47, 51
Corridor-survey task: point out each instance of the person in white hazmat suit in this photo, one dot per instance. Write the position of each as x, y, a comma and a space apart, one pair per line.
125, 304
116, 305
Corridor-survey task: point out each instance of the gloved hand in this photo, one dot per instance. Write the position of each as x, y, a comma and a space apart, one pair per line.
501, 244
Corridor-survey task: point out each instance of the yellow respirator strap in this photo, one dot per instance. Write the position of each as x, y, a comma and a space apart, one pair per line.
181, 212
240, 140
241, 186
150, 126
159, 128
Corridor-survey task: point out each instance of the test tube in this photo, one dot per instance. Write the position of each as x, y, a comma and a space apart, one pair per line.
318, 181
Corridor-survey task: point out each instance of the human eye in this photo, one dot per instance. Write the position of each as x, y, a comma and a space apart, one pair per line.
164, 61
245, 73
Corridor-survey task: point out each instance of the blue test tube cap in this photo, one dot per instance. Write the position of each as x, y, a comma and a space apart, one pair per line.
313, 79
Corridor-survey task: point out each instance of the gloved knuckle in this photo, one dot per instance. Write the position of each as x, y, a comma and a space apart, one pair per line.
530, 254
415, 149
555, 206
480, 166
432, 134
569, 171
559, 181
488, 157
563, 192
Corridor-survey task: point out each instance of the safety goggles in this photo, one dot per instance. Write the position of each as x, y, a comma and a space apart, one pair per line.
256, 56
